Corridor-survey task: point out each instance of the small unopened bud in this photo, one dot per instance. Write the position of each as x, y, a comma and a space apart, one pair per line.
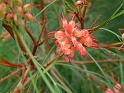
27, 7
2, 10
19, 10
9, 16
79, 2
29, 16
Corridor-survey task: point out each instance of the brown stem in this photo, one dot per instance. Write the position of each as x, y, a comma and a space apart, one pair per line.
9, 75
29, 79
24, 76
57, 77
47, 43
30, 35
39, 38
91, 61
85, 8
9, 29
80, 20
19, 87
21, 46
36, 44
49, 63
7, 63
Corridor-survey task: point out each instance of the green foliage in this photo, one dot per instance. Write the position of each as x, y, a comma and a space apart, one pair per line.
68, 77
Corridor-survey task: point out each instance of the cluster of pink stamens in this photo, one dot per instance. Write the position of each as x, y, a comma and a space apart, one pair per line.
72, 39
116, 88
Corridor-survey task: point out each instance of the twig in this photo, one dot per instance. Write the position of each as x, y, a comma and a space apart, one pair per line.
37, 44
24, 77
9, 29
9, 75
39, 38
21, 46
85, 8
30, 35
29, 79
52, 61
80, 20
4, 62
47, 43
91, 61
57, 77
20, 87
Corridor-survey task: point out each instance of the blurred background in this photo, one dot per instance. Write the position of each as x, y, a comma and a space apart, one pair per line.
78, 78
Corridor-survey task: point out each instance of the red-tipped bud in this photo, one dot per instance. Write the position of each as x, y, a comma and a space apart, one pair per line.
9, 16
27, 7
19, 10
29, 16
79, 2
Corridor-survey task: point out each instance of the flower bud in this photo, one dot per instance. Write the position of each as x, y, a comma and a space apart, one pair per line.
27, 7
9, 16
19, 10
79, 2
29, 16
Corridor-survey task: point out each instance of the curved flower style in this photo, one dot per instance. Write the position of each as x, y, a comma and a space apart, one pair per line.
72, 39
117, 88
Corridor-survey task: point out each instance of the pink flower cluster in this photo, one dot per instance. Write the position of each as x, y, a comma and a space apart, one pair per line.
116, 88
72, 39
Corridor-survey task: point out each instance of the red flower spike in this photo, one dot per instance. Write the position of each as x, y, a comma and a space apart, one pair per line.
72, 39
117, 87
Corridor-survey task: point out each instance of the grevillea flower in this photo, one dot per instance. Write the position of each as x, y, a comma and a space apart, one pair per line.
72, 39
118, 88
